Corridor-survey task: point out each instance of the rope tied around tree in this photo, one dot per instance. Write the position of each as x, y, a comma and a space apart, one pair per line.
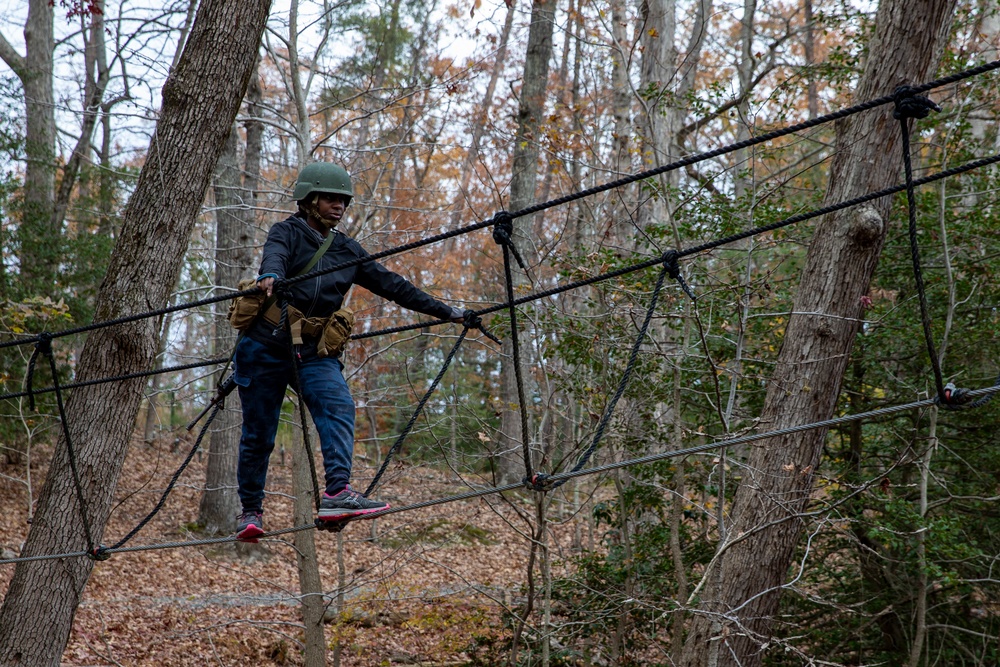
503, 235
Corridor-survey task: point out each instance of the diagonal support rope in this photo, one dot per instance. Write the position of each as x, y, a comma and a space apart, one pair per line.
44, 347
469, 323
541, 481
102, 552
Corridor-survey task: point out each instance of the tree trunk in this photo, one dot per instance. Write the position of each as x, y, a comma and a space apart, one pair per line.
235, 199
310, 584
233, 240
200, 100
810, 367
38, 241
96, 77
522, 193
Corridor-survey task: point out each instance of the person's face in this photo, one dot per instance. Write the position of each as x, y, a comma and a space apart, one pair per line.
331, 207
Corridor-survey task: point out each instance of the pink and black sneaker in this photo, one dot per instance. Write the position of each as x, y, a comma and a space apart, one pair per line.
348, 504
249, 526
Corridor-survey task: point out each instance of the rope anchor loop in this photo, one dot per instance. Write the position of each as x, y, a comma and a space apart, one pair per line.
911, 105
953, 398
99, 554
330, 526
673, 270
540, 482
43, 346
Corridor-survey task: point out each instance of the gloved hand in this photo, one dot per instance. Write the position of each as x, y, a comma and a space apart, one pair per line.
458, 315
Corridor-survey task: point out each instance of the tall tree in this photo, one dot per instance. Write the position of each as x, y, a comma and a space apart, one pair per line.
200, 100
233, 256
39, 243
524, 176
765, 527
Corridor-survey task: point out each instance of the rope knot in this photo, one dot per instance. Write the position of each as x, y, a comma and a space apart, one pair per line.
472, 320
503, 228
540, 482
330, 526
44, 344
503, 235
100, 553
953, 398
911, 105
670, 258
673, 269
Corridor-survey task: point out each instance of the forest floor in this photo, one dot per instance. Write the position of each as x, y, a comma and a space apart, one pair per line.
428, 587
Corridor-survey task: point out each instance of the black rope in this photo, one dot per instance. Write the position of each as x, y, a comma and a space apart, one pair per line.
710, 245
910, 105
115, 378
102, 551
503, 235
542, 482
558, 477
419, 409
44, 347
775, 134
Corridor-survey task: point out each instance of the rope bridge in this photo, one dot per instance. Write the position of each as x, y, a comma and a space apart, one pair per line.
908, 103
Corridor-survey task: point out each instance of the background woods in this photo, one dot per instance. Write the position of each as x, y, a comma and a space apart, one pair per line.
872, 542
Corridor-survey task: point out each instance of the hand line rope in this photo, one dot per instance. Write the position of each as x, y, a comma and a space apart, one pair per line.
775, 134
116, 378
711, 245
557, 477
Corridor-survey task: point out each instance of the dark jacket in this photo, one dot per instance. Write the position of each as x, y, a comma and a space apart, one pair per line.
289, 247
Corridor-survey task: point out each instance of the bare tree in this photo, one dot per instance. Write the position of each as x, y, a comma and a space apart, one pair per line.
765, 527
200, 100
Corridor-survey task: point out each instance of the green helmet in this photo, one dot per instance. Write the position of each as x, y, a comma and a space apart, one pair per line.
322, 177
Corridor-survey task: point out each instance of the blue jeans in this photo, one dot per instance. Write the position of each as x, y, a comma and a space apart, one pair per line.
262, 373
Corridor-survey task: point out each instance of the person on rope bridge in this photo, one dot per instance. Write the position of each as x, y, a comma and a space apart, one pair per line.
313, 328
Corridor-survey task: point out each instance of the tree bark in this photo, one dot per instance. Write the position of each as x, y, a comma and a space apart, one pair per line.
38, 241
310, 584
235, 200
806, 383
200, 100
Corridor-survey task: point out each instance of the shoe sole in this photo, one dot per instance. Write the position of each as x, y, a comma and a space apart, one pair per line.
249, 534
338, 514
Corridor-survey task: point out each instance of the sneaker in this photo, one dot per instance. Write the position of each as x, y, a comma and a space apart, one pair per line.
346, 504
249, 526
